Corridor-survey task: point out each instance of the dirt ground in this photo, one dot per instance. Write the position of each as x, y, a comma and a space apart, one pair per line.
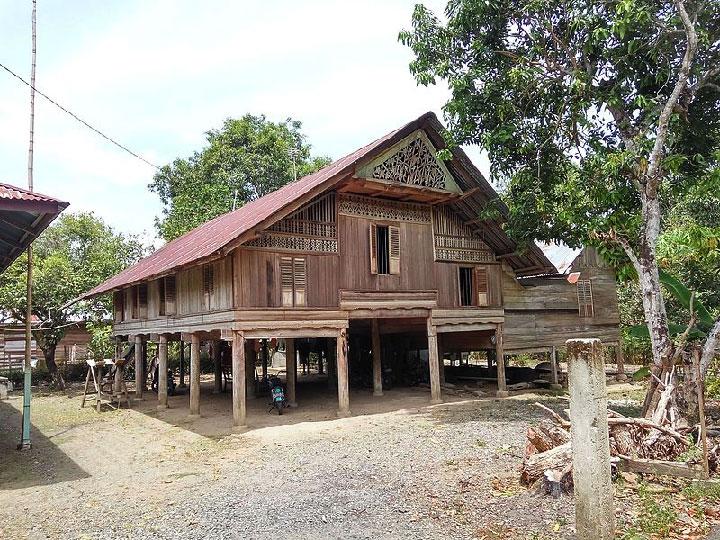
398, 468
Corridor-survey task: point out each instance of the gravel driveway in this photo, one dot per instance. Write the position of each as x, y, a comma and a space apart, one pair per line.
448, 471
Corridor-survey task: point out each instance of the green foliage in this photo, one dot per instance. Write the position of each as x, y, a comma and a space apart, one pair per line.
76, 253
246, 159
101, 344
565, 97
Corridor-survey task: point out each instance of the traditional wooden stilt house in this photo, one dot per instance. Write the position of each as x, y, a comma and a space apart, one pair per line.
388, 240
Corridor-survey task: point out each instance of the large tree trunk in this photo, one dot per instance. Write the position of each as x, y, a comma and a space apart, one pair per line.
57, 378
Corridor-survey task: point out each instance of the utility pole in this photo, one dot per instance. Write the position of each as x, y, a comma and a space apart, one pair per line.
25, 443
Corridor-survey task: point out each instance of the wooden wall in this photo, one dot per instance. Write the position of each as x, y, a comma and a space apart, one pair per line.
545, 315
257, 278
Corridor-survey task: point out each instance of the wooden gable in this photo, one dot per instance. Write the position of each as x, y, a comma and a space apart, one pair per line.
457, 242
412, 161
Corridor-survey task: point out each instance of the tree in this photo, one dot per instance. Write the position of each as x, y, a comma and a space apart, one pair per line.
246, 159
76, 253
592, 112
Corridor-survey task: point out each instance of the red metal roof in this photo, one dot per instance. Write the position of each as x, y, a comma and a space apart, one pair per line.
207, 239
12, 192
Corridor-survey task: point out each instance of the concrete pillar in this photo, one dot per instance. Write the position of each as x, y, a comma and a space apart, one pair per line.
554, 381
500, 359
238, 380
620, 363
594, 512
376, 359
434, 362
162, 372
291, 370
343, 387
139, 375
195, 376
217, 364
182, 364
250, 356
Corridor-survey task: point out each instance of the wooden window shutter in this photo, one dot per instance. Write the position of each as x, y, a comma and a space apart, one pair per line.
208, 285
585, 298
481, 285
143, 300
134, 293
373, 249
300, 281
286, 280
170, 295
394, 234
161, 296
118, 305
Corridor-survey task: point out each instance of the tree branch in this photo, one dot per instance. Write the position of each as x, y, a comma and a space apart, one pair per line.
657, 152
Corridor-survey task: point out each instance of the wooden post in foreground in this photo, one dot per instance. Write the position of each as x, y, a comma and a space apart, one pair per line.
376, 359
194, 376
238, 380
139, 377
291, 371
554, 381
162, 382
502, 391
594, 511
434, 363
342, 374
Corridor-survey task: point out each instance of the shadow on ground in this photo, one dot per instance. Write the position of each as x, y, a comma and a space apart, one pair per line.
24, 469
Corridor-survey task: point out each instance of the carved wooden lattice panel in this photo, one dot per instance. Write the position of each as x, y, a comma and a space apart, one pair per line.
413, 164
366, 207
455, 241
313, 227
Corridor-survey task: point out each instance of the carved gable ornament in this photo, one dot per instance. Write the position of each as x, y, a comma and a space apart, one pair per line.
412, 161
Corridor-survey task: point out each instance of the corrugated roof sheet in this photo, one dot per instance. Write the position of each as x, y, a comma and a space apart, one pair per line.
208, 238
13, 192
560, 255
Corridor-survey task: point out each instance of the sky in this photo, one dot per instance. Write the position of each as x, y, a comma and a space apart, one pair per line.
157, 75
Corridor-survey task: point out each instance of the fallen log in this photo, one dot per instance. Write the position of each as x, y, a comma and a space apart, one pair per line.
644, 422
655, 466
535, 465
564, 423
556, 482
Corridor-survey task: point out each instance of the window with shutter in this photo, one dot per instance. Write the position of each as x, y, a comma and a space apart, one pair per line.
293, 281
373, 249
142, 300
170, 294
161, 296
466, 286
481, 285
585, 298
118, 299
135, 307
208, 284
394, 234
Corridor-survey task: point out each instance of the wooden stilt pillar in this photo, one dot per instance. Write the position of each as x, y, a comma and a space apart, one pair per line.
434, 364
162, 372
620, 363
139, 377
145, 364
238, 380
291, 370
250, 357
500, 358
195, 376
376, 359
182, 365
342, 374
118, 371
554, 381
441, 359
265, 359
322, 350
217, 364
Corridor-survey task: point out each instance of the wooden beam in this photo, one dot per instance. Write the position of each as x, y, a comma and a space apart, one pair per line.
238, 380
342, 374
500, 353
194, 376
434, 363
162, 382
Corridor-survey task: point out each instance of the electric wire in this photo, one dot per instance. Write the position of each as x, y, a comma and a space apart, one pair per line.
76, 117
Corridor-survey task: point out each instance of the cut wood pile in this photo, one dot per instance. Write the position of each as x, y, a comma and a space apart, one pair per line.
636, 444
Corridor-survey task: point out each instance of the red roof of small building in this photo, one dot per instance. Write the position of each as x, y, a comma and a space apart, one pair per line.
13, 192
